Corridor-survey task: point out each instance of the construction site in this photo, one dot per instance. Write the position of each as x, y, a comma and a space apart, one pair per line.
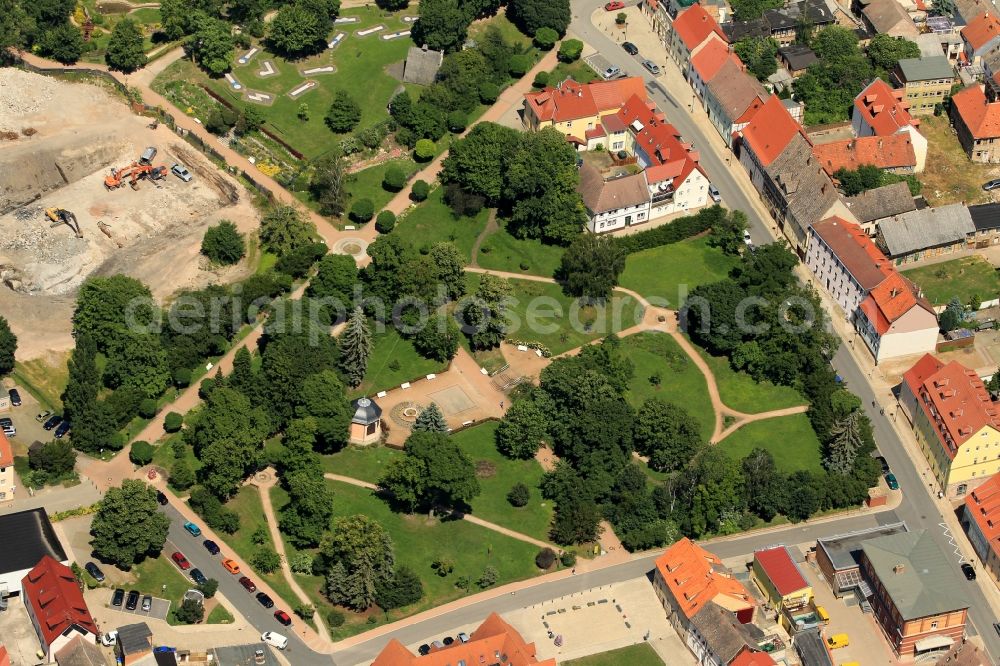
87, 188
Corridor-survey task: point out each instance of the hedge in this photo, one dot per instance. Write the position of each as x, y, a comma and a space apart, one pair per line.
676, 231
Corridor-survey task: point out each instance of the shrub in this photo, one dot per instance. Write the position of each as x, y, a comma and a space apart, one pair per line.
568, 559
456, 122
545, 558
362, 210
209, 588
541, 80
181, 476
344, 113
223, 244
190, 612
259, 536
301, 562
489, 577
394, 179
524, 265
424, 150
488, 92
298, 262
546, 38
141, 453
519, 495
519, 65
304, 610
335, 618
147, 408
570, 50
182, 377
420, 190
173, 422
385, 222
206, 387
265, 560
621, 18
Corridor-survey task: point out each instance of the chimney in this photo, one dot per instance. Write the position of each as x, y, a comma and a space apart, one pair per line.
899, 568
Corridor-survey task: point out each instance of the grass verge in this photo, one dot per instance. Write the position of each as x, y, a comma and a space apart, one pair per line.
743, 393
790, 439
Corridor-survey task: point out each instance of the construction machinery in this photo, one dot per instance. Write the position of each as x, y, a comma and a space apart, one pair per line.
133, 173
63, 216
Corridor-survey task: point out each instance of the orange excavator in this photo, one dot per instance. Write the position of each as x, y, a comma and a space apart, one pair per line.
133, 173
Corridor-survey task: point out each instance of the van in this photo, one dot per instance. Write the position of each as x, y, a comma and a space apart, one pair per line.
838, 641
147, 156
274, 639
823, 616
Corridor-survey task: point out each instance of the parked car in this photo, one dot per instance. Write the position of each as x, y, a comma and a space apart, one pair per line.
884, 463
282, 617
109, 639
611, 73
181, 172
448, 640
15, 397
61, 430
161, 498
41, 417
231, 566
425, 649
969, 571
132, 601
652, 67
248, 584
6, 422
53, 421
118, 597
211, 546
181, 561
630, 48
192, 529
746, 237
893, 484
197, 576
464, 637
9, 430
265, 600
713, 192
838, 641
147, 603
274, 639
991, 184
94, 571
614, 6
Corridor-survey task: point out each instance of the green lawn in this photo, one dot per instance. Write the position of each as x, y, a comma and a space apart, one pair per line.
741, 392
492, 505
219, 615
556, 320
433, 222
159, 577
640, 654
966, 277
579, 71
393, 361
669, 272
790, 439
509, 31
360, 462
680, 381
367, 184
43, 379
502, 252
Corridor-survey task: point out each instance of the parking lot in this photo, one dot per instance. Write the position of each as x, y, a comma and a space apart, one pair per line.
158, 610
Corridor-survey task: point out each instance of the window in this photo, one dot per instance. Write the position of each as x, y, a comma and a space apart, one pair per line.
934, 625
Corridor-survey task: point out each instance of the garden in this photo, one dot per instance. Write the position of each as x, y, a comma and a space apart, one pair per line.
971, 278
393, 361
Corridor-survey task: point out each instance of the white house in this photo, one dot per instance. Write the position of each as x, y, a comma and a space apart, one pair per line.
613, 204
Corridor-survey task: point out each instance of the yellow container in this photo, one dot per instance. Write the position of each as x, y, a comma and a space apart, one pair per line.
823, 616
838, 641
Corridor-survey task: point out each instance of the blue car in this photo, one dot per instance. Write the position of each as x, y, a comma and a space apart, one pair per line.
891, 481
211, 546
193, 529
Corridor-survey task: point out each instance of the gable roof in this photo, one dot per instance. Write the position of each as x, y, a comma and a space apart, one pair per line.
28, 537
982, 118
892, 299
808, 191
751, 657
723, 633
986, 217
735, 91
918, 576
601, 196
780, 569
571, 100
982, 505
669, 157
694, 25
710, 58
770, 130
80, 652
696, 577
6, 452
889, 16
981, 30
925, 69
134, 638
925, 228
886, 152
4, 657
883, 108
421, 65
885, 201
798, 56
855, 250
54, 595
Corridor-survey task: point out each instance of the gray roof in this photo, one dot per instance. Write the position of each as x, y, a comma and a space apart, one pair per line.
722, 632
888, 15
844, 550
601, 196
81, 652
134, 638
919, 577
925, 69
798, 56
806, 187
366, 411
986, 217
734, 90
27, 537
812, 651
239, 655
421, 65
881, 202
927, 228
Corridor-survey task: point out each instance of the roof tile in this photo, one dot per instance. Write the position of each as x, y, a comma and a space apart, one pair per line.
981, 117
884, 108
694, 25
886, 152
770, 130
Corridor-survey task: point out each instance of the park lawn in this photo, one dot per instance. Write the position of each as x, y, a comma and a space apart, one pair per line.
640, 654
681, 382
556, 320
966, 277
502, 252
155, 572
434, 222
44, 379
491, 504
367, 183
743, 393
669, 272
219, 615
366, 463
146, 15
790, 439
510, 32
579, 71
390, 347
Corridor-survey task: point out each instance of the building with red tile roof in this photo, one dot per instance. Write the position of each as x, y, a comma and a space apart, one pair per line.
55, 605
982, 523
768, 133
706, 63
751, 657
575, 108
489, 644
955, 422
692, 28
6, 470
980, 36
4, 657
977, 123
880, 110
893, 153
732, 98
785, 588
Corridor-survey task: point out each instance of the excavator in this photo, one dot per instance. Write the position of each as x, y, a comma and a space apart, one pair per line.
134, 173
63, 216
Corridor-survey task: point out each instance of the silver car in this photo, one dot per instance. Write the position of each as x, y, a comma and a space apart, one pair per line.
713, 192
653, 68
611, 73
181, 172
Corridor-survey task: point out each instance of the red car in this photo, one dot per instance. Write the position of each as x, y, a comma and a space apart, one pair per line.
181, 561
614, 6
247, 584
282, 617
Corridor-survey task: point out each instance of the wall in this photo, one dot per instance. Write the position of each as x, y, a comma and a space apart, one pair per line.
831, 274
915, 332
619, 218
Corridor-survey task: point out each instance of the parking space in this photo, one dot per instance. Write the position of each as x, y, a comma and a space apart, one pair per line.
16, 633
598, 63
28, 429
158, 608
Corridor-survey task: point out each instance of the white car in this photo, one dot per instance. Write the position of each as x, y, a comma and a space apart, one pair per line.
713, 192
611, 73
274, 639
109, 639
181, 172
746, 237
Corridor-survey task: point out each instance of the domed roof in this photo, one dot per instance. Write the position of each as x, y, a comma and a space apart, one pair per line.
365, 411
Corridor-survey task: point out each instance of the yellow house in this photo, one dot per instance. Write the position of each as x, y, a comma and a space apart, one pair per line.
785, 588
925, 81
575, 109
955, 422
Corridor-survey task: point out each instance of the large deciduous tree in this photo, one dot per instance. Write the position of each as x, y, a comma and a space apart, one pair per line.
125, 52
8, 346
522, 430
306, 517
591, 266
478, 161
212, 45
128, 524
324, 398
328, 183
284, 230
885, 50
442, 25
530, 15
485, 317
299, 29
433, 472
362, 558
666, 433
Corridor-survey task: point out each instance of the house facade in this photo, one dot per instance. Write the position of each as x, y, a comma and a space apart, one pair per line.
925, 233
613, 204
986, 218
732, 98
926, 82
895, 320
691, 29
56, 607
981, 520
783, 585
7, 485
706, 63
977, 123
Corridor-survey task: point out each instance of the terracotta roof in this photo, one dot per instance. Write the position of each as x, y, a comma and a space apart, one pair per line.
959, 399
770, 130
883, 108
710, 58
695, 577
669, 156
694, 25
893, 298
779, 568
572, 100
6, 453
981, 117
855, 250
983, 506
601, 196
55, 597
493, 638
886, 152
981, 30
921, 371
4, 657
750, 657
80, 652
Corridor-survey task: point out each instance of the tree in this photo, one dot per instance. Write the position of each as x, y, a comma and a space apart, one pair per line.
344, 113
8, 347
223, 244
424, 151
438, 339
759, 54
885, 50
728, 233
666, 433
141, 453
297, 263
265, 560
173, 422
385, 222
128, 525
546, 38
283, 230
545, 558
485, 317
478, 161
766, 490
845, 441
361, 552
212, 45
521, 431
570, 50
362, 210
307, 515
394, 179
211, 509
953, 316
191, 611
442, 25
181, 476
488, 92
531, 15
519, 495
457, 121
125, 52
324, 398
590, 267
433, 472
96, 429
15, 24
803, 500
137, 361
430, 419
108, 308
489, 577
209, 587
392, 5
328, 183
53, 460
249, 120
403, 589
63, 43
335, 278
355, 347
301, 28
577, 520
